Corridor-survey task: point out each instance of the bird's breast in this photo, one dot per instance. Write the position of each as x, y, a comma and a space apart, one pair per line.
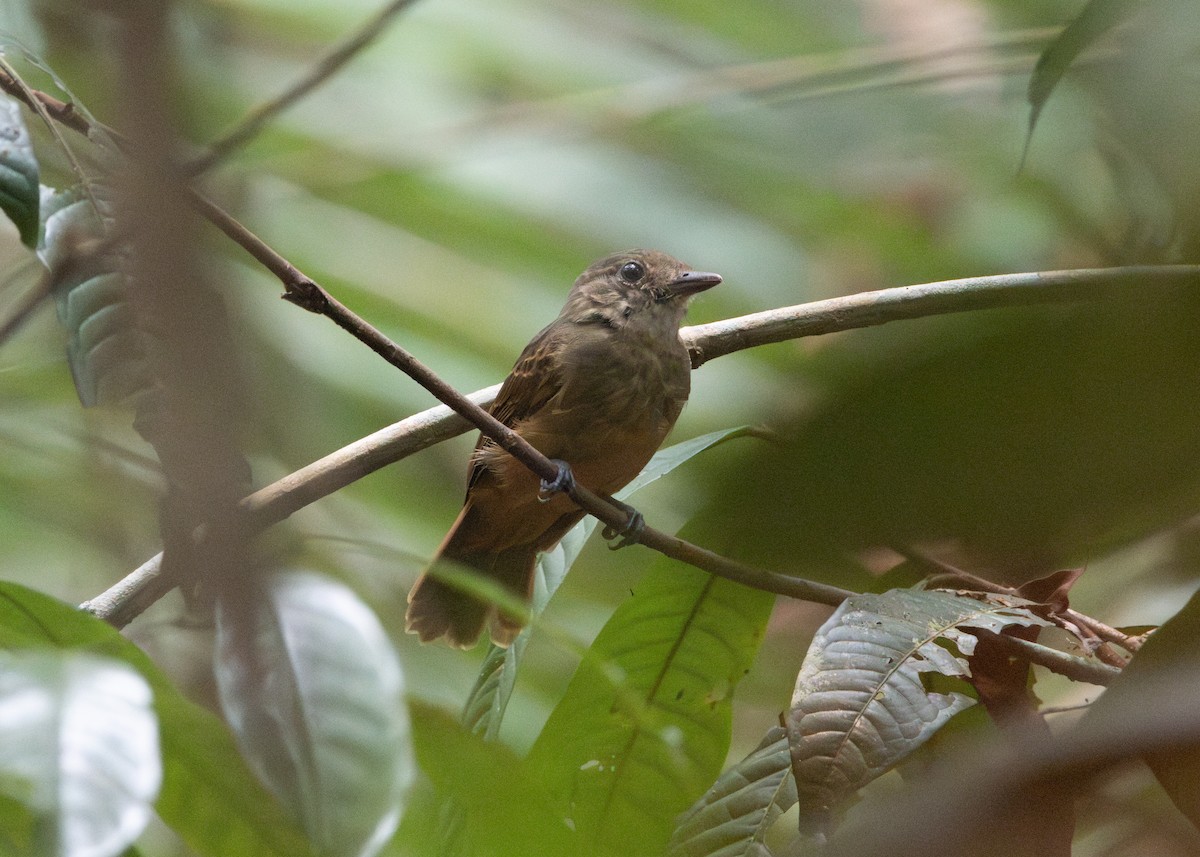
631, 377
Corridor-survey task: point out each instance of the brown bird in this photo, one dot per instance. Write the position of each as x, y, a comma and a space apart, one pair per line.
597, 390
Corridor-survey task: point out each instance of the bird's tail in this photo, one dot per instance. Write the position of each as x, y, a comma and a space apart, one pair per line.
437, 608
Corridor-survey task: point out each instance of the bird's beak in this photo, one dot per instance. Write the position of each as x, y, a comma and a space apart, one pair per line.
689, 283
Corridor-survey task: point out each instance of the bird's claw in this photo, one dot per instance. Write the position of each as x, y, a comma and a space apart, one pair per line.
630, 533
563, 482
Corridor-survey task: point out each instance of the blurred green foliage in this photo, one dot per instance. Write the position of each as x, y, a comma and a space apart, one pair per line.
452, 181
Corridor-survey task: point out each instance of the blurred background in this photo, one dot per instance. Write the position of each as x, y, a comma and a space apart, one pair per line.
451, 182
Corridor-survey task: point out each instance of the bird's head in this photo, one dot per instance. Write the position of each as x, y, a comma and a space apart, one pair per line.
635, 287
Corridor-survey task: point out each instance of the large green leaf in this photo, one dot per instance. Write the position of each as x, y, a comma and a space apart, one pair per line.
19, 191
484, 710
208, 796
1031, 439
1168, 652
313, 691
644, 725
504, 810
81, 750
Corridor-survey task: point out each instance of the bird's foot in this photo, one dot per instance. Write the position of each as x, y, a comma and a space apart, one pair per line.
632, 530
562, 483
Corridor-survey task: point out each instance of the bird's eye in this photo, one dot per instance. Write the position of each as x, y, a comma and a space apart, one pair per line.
631, 272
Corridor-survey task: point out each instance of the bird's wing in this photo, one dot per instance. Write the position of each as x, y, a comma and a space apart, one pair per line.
534, 380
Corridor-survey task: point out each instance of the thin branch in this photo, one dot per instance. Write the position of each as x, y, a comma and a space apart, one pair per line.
60, 111
291, 277
868, 309
1106, 632
1071, 666
322, 70
124, 601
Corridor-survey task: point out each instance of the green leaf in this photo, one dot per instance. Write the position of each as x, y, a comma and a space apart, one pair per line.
504, 807
861, 705
208, 796
19, 27
19, 188
313, 691
484, 709
81, 750
1028, 438
1168, 650
1097, 18
643, 727
734, 816
105, 350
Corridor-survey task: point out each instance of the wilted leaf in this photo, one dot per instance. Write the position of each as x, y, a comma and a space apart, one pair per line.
80, 750
860, 704
313, 691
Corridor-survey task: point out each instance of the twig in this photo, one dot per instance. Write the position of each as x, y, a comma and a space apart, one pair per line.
59, 111
124, 601
321, 71
1071, 666
291, 277
1105, 632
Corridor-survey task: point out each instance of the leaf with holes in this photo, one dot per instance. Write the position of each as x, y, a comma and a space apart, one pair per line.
861, 706
313, 690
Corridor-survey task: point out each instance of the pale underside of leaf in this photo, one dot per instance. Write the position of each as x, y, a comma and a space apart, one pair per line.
733, 817
314, 693
80, 750
860, 705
